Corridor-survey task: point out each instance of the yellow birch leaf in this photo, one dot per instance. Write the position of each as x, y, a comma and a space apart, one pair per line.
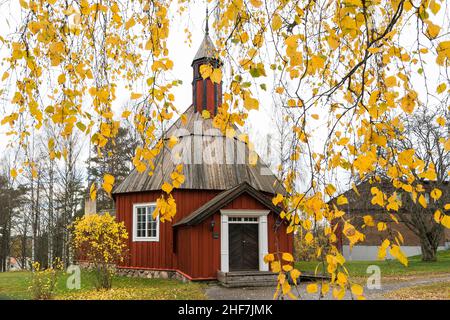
433, 30
338, 293
390, 81
434, 7
107, 187
61, 78
256, 3
276, 22
290, 229
287, 257
108, 179
355, 189
447, 145
368, 221
251, 103
446, 221
130, 23
325, 288
399, 255
311, 288
408, 102
206, 114
216, 76
438, 216
440, 121
277, 199
357, 290
286, 287
23, 4
330, 189
333, 42
295, 274
269, 258
167, 187
441, 88
309, 237
436, 194
205, 70
342, 200
275, 266
93, 192
135, 96
34, 173
423, 201
381, 226
341, 279
172, 141
287, 267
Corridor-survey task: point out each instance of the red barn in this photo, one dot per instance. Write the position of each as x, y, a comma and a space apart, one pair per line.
225, 221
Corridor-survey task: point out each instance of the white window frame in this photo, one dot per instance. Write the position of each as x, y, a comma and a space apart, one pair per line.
263, 239
240, 219
135, 237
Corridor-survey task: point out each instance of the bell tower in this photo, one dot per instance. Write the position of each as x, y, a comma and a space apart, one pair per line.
206, 95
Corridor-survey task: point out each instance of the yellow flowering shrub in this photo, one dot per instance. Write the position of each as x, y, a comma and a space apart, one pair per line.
43, 281
101, 240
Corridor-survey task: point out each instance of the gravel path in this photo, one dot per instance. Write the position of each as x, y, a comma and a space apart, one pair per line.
217, 292
392, 286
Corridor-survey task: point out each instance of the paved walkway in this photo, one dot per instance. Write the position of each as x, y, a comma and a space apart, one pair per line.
217, 292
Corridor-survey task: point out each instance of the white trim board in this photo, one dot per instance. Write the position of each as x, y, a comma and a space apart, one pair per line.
262, 236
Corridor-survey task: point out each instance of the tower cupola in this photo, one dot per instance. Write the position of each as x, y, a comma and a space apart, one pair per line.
206, 95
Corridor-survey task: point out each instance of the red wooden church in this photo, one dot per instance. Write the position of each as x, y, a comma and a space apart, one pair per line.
225, 222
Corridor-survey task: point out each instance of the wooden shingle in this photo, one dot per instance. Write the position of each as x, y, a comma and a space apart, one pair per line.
205, 170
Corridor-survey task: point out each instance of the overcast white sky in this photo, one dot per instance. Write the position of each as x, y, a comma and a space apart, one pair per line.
182, 54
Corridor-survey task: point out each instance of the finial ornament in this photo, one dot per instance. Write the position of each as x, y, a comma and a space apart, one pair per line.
207, 23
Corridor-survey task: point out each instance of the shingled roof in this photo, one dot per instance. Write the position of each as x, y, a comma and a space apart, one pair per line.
223, 199
215, 172
206, 49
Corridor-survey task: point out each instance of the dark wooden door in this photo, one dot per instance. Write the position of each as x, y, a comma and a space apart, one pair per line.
243, 246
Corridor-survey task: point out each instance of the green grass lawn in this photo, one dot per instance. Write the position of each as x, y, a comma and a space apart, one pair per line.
14, 285
391, 267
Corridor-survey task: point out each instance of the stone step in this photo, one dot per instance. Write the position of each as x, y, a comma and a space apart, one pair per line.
258, 278
247, 278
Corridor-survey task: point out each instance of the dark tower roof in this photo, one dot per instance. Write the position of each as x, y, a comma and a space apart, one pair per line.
206, 49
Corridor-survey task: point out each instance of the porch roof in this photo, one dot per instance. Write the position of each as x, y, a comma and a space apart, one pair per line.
223, 199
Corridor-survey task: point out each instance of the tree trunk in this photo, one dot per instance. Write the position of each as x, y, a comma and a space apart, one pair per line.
50, 229
24, 243
429, 250
33, 225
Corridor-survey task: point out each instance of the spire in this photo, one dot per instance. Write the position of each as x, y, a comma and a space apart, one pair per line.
207, 22
207, 49
206, 95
